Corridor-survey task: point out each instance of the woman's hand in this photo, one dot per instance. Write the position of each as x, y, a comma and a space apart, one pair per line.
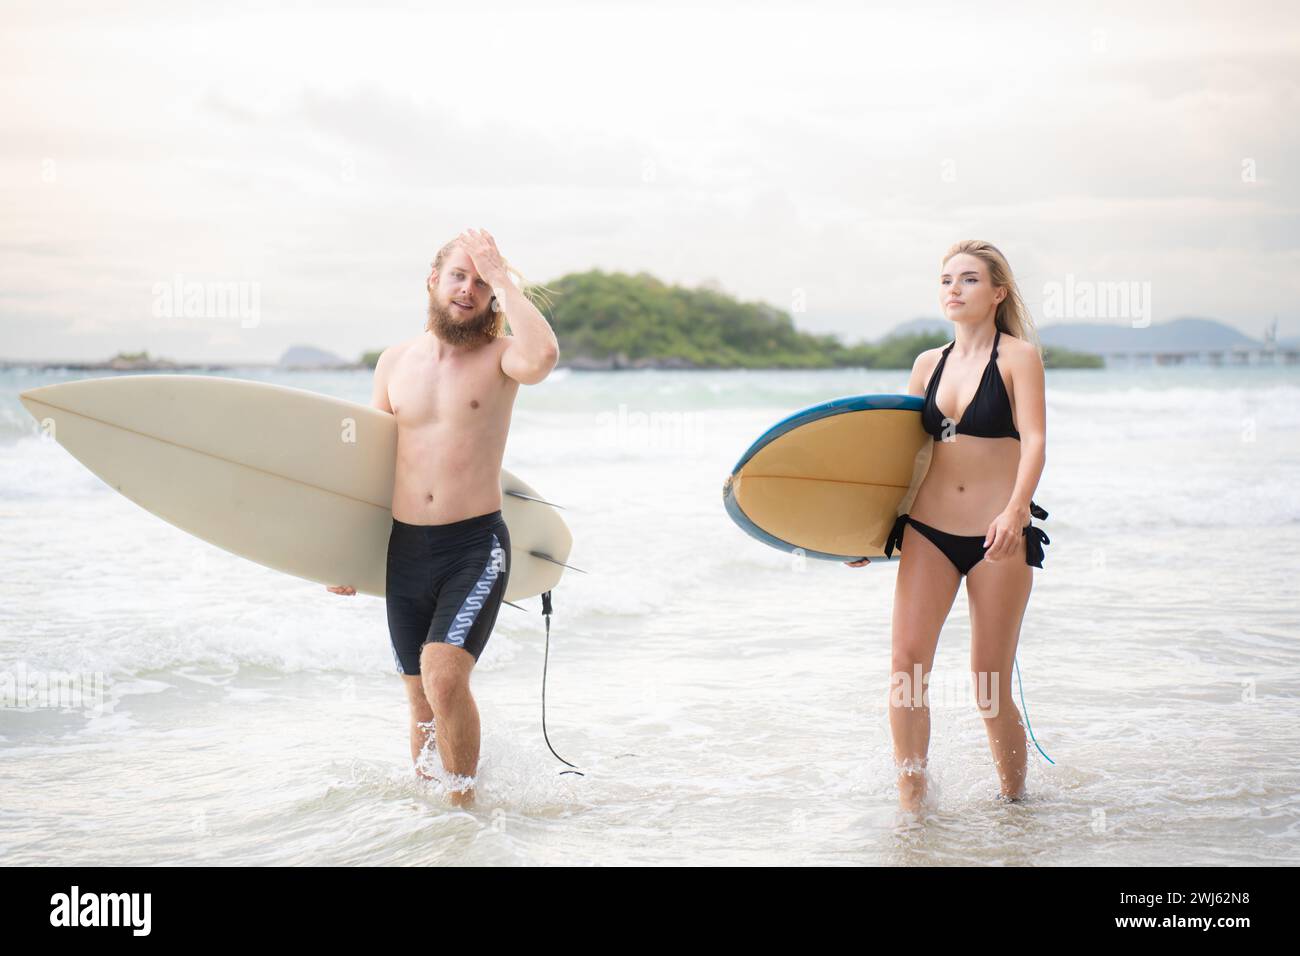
1004, 534
858, 563
341, 589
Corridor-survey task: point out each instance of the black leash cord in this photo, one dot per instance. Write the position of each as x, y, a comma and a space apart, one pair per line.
546, 612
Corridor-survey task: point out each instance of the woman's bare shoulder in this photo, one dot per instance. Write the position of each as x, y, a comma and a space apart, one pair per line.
1019, 350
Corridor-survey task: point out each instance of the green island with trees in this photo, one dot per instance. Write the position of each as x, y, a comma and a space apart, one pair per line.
613, 320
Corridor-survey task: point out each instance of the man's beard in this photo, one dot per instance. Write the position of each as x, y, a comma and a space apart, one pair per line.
478, 330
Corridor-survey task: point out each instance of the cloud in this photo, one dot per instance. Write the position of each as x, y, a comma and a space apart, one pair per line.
774, 147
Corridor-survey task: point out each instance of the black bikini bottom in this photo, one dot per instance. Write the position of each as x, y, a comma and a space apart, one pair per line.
966, 551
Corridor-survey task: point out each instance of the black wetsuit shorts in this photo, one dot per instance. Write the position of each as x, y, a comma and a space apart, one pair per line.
445, 584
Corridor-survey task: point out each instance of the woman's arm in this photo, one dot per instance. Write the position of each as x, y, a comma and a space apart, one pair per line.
915, 386
1028, 381
1006, 530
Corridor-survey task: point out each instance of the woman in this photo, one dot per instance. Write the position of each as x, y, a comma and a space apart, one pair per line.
971, 515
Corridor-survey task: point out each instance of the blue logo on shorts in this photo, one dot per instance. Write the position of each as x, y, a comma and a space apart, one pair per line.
468, 612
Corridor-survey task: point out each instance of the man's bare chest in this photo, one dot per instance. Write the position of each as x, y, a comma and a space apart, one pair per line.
460, 392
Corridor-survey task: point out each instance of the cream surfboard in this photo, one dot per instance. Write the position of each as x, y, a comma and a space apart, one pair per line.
828, 481
294, 480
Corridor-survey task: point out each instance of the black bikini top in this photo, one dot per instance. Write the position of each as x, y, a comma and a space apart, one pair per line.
989, 413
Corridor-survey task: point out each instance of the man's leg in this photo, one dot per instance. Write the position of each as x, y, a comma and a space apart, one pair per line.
410, 603
469, 597
444, 671
422, 724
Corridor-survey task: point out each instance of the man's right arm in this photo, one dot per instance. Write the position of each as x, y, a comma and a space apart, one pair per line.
383, 368
379, 400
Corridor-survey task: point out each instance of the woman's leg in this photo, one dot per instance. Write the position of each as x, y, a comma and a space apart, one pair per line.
998, 592
923, 594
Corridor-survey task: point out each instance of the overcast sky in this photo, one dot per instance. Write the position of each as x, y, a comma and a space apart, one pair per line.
817, 157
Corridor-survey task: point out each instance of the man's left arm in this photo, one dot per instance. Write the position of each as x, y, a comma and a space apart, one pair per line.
532, 351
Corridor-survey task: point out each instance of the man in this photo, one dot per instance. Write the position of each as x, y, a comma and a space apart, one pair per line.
452, 389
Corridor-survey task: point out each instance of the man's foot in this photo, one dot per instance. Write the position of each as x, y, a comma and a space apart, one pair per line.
911, 791
459, 789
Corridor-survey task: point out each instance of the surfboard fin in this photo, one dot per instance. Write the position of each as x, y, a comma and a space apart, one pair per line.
520, 494
547, 557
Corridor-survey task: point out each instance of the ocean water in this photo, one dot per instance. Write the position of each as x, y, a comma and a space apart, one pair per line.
726, 702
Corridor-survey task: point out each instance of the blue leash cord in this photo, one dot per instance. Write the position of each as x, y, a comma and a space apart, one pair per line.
1024, 710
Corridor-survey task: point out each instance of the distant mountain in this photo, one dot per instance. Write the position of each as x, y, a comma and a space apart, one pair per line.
1176, 335
922, 326
308, 356
900, 347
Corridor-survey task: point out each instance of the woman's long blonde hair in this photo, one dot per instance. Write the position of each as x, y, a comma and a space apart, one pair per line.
1011, 317
537, 293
